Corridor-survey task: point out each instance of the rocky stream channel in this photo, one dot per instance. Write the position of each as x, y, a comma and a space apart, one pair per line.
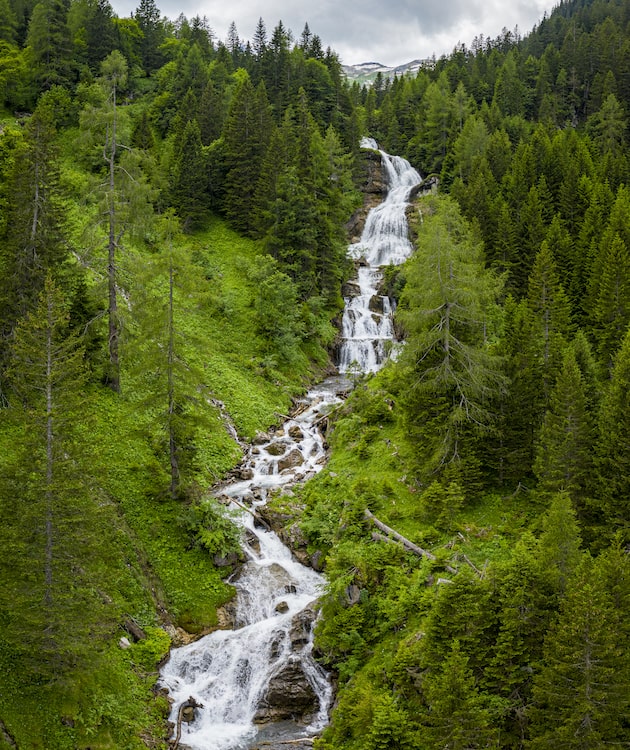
257, 685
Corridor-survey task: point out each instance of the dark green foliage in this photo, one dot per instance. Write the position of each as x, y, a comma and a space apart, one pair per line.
190, 181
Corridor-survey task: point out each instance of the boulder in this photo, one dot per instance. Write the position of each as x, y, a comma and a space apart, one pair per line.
291, 460
289, 695
301, 627
282, 607
260, 438
317, 561
277, 448
295, 432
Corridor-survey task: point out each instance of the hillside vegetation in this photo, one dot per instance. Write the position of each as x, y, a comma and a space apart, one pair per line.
172, 252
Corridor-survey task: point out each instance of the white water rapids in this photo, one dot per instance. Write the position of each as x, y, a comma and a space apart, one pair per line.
232, 673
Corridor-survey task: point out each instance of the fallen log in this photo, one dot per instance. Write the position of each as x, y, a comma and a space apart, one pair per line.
407, 544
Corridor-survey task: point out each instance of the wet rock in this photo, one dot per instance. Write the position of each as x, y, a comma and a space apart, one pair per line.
291, 460
289, 695
276, 645
351, 289
301, 628
295, 432
226, 561
353, 594
290, 589
252, 541
282, 607
317, 561
224, 499
260, 438
293, 537
246, 473
376, 304
277, 448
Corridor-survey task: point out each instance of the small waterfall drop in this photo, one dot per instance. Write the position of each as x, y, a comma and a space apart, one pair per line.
367, 326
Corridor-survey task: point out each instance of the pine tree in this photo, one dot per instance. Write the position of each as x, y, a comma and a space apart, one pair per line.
449, 313
612, 308
49, 40
245, 137
34, 243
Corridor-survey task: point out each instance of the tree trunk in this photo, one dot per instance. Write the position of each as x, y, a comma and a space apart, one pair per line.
403, 540
114, 328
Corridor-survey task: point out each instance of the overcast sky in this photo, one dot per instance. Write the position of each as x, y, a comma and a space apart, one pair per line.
391, 32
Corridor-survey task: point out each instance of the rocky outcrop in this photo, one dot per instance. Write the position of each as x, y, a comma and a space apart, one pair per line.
374, 188
289, 695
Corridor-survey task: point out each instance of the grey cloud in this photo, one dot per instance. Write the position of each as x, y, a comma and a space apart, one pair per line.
390, 32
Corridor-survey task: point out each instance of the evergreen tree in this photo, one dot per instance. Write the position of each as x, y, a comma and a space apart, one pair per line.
565, 444
54, 525
189, 182
50, 43
449, 313
613, 449
581, 692
245, 137
458, 718
34, 243
612, 307
147, 15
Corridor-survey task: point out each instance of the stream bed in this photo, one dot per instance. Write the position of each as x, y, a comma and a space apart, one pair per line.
259, 683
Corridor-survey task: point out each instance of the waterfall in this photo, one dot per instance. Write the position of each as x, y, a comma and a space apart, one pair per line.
367, 327
237, 674
263, 669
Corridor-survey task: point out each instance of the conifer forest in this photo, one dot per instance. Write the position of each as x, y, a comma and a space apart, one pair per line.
175, 215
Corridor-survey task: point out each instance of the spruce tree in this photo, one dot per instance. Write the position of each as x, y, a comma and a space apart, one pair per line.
613, 445
582, 690
565, 445
189, 185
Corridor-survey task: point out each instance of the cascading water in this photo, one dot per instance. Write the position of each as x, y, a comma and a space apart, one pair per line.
235, 674
240, 675
367, 319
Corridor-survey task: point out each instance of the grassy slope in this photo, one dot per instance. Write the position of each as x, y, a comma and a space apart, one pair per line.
111, 705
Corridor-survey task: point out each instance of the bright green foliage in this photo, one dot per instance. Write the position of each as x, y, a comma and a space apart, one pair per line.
450, 315
459, 717
8, 22
559, 549
388, 728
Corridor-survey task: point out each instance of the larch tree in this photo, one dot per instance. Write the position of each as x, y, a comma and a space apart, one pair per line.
450, 316
55, 525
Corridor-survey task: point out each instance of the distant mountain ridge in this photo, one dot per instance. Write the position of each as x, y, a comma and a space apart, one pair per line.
366, 72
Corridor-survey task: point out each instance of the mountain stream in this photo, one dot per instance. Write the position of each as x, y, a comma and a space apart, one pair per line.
263, 671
